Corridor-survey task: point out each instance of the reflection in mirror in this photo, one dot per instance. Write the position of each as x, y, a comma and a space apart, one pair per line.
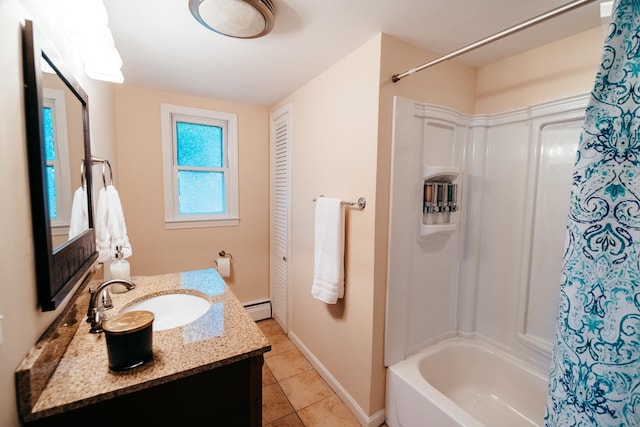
57, 121
64, 152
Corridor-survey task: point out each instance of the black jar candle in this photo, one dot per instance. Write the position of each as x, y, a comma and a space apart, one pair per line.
129, 339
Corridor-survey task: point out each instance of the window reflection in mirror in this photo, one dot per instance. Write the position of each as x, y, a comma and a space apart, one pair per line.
64, 151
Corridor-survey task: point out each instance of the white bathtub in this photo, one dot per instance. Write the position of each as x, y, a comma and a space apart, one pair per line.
461, 382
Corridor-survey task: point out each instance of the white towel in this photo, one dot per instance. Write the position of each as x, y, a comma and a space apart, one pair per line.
117, 226
328, 277
79, 220
103, 238
111, 230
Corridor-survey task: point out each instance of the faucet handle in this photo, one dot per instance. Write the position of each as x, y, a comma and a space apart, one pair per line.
90, 309
98, 316
107, 303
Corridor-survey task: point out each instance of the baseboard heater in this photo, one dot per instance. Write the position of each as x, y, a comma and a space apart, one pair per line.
259, 310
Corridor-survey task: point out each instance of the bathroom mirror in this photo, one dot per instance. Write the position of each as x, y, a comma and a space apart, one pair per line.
54, 99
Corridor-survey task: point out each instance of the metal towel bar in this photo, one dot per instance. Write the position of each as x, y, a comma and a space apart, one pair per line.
105, 164
96, 161
361, 203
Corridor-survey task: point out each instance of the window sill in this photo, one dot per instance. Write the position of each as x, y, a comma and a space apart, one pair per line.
177, 225
59, 230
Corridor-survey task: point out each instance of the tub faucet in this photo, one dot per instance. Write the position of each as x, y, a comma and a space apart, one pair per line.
95, 313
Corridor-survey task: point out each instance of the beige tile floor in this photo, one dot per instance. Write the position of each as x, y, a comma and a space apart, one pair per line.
293, 393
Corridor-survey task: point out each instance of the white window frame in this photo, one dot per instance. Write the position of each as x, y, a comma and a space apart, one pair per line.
172, 218
55, 100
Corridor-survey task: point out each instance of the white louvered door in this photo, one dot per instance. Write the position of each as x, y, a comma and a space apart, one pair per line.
280, 141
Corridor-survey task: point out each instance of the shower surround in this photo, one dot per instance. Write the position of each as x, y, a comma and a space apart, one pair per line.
495, 276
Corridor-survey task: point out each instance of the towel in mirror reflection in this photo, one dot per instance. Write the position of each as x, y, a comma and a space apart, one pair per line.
79, 220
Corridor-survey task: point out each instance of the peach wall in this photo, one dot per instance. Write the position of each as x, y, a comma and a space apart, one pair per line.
18, 287
557, 70
333, 152
139, 160
449, 83
24, 322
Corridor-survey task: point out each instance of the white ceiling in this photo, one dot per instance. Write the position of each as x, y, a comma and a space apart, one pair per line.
163, 46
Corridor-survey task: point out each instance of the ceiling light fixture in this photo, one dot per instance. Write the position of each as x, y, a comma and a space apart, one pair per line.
244, 19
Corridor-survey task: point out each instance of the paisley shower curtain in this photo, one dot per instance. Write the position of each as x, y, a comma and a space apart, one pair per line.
595, 372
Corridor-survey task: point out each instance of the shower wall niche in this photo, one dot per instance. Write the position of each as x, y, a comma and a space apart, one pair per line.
440, 199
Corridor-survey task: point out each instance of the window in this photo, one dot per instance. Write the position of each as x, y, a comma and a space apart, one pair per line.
57, 160
200, 167
51, 159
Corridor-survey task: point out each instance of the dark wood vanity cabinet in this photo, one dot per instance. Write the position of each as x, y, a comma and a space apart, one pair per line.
227, 396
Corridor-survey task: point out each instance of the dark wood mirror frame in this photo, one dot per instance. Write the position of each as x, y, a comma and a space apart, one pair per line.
58, 269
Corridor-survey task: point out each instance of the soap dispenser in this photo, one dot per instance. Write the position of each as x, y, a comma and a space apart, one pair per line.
119, 269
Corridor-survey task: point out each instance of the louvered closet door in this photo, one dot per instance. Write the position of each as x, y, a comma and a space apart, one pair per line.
280, 140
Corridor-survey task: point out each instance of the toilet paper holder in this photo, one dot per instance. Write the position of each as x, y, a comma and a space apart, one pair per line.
223, 254
223, 264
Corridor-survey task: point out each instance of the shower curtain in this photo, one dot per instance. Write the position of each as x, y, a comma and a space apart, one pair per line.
595, 372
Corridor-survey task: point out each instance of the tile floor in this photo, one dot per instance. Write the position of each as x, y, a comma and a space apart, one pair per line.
293, 393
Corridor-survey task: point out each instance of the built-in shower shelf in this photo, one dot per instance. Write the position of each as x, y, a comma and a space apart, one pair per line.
428, 229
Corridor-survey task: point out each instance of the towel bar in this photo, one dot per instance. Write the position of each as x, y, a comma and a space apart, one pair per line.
361, 203
105, 163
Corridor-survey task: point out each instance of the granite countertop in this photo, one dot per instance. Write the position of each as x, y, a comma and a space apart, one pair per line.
54, 378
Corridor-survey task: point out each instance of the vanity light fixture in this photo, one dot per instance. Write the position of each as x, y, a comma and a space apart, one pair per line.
244, 19
86, 25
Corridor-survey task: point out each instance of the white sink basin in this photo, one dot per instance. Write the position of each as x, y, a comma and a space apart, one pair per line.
172, 310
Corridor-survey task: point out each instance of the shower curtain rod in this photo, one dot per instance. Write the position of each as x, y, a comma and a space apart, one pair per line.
504, 33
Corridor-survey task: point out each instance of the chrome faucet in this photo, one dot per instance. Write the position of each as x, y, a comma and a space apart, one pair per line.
95, 313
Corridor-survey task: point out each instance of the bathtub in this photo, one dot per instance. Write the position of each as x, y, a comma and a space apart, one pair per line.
461, 382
